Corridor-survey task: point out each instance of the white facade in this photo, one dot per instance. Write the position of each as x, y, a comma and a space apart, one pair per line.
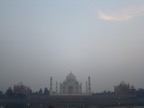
71, 85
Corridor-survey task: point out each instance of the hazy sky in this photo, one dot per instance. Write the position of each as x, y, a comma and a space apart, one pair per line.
103, 39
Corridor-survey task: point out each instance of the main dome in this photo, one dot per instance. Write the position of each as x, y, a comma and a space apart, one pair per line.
71, 76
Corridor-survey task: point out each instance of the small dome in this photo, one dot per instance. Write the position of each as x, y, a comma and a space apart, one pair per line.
71, 77
123, 83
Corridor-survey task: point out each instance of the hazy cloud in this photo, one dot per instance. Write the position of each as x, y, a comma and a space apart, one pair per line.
123, 15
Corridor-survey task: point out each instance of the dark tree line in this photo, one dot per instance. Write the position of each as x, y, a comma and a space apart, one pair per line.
140, 92
9, 93
44, 92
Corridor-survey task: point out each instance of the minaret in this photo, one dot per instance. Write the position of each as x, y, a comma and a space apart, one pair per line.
89, 85
60, 88
56, 87
50, 85
80, 88
86, 87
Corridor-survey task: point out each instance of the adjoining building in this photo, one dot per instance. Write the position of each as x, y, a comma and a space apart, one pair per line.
70, 86
22, 89
124, 89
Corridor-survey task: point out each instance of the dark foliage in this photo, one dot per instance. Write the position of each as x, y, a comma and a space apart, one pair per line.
140, 92
46, 91
10, 92
40, 91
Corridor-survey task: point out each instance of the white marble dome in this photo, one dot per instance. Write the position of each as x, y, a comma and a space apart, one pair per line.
71, 76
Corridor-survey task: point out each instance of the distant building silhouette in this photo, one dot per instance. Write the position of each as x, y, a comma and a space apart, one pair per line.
123, 89
22, 89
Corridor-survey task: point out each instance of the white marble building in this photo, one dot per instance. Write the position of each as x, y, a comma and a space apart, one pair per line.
70, 85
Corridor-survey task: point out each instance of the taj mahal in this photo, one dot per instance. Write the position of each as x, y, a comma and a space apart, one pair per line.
70, 86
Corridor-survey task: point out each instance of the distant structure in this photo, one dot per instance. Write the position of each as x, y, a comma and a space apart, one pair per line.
86, 87
56, 87
124, 89
51, 91
70, 86
89, 85
22, 89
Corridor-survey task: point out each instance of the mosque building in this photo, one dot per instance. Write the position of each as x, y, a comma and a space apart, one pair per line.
70, 86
